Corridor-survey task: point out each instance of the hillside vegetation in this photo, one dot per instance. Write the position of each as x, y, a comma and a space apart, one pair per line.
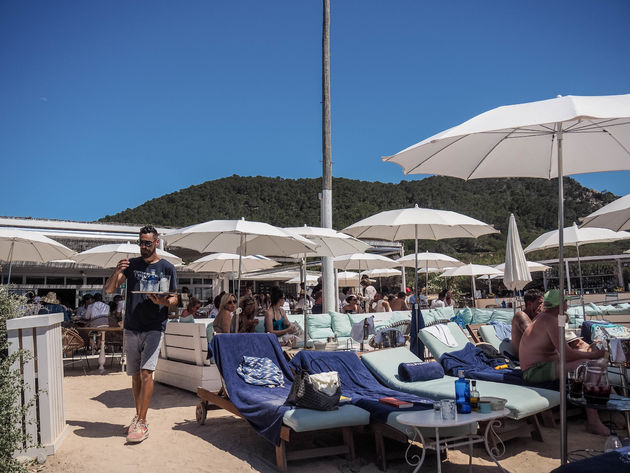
294, 202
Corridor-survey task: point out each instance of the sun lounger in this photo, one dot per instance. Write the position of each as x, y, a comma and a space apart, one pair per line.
522, 401
265, 409
364, 391
489, 335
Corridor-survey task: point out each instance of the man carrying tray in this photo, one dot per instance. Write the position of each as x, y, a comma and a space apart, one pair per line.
145, 322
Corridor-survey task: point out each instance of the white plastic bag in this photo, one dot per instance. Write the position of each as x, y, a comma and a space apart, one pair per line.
327, 382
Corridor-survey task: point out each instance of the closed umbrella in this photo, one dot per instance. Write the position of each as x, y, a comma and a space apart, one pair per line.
107, 256
21, 245
471, 270
516, 274
547, 139
614, 216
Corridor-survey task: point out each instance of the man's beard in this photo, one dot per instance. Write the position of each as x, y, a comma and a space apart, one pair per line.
146, 253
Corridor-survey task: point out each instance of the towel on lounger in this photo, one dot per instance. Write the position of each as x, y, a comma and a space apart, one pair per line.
420, 371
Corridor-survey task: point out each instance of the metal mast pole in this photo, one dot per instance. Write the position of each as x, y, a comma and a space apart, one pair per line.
329, 296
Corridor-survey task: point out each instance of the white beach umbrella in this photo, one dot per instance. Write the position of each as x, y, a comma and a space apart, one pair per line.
417, 223
311, 280
471, 270
547, 139
239, 236
329, 242
531, 265
223, 263
348, 279
21, 245
107, 256
382, 273
614, 216
363, 261
428, 260
575, 236
516, 274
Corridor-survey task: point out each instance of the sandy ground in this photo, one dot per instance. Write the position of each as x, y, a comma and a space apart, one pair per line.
98, 406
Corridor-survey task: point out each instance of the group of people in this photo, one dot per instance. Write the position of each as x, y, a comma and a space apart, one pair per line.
535, 342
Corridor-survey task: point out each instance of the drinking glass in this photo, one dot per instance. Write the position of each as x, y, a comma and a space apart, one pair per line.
448, 409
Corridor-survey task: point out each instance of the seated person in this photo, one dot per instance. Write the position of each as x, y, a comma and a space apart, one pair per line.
522, 319
352, 305
448, 298
216, 302
192, 307
116, 311
380, 303
439, 302
539, 354
223, 320
276, 320
317, 307
247, 318
97, 313
51, 305
398, 302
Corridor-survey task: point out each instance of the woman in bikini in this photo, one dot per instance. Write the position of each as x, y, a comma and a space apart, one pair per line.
223, 319
276, 320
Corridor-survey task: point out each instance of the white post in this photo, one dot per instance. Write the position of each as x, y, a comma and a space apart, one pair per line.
45, 420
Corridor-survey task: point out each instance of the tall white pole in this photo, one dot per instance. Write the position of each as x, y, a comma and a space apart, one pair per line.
561, 317
328, 277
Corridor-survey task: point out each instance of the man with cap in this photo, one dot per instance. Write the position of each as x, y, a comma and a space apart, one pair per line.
539, 355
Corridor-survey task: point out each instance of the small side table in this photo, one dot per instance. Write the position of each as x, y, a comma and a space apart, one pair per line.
433, 419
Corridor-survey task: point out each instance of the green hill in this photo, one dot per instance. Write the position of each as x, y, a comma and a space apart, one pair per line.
294, 202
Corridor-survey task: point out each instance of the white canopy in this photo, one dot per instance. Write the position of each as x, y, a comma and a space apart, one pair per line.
614, 216
228, 263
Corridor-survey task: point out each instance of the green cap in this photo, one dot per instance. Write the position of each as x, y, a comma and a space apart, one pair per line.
552, 299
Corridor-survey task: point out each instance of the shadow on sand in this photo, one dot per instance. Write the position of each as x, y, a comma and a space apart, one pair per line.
164, 397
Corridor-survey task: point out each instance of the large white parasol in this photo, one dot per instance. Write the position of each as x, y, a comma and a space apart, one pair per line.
547, 139
107, 256
614, 216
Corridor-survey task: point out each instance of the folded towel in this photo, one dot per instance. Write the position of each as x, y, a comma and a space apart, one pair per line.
442, 333
420, 371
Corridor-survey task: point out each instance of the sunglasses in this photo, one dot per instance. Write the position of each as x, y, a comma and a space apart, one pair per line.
231, 302
145, 243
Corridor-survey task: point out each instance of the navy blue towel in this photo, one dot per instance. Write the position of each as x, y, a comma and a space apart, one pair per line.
419, 371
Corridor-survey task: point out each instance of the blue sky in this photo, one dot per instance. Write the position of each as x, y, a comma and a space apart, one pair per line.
105, 105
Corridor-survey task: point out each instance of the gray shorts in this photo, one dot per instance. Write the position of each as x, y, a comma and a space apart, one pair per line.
142, 350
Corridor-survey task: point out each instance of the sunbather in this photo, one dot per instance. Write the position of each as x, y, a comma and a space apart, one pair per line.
539, 353
523, 318
276, 320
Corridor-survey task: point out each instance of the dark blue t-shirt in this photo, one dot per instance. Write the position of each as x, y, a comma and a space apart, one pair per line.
141, 314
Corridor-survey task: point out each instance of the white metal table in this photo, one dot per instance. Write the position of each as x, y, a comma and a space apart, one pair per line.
433, 419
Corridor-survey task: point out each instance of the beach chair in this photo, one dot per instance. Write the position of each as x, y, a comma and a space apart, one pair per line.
488, 334
473, 330
524, 402
364, 390
265, 409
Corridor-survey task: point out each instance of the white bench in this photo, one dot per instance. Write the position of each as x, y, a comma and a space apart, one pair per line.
183, 362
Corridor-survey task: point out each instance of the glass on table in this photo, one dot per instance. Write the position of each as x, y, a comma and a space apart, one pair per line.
448, 409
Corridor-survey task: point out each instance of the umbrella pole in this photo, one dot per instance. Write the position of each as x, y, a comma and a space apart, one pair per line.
474, 290
561, 317
577, 249
238, 288
303, 271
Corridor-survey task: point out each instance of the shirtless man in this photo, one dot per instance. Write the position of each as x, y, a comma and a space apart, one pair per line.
539, 353
523, 318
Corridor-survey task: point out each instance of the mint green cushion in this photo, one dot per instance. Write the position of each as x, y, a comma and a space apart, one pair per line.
189, 319
522, 401
440, 313
465, 314
354, 318
504, 316
319, 326
481, 316
399, 315
260, 326
209, 331
306, 420
592, 309
340, 323
297, 319
438, 348
489, 335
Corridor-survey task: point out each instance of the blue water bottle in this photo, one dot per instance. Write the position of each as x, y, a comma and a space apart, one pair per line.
462, 394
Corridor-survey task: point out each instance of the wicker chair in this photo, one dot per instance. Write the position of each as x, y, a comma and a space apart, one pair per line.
72, 342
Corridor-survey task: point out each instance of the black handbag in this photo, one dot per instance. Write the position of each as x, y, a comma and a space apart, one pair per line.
304, 394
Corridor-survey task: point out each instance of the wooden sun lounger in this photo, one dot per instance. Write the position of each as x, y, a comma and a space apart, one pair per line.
220, 400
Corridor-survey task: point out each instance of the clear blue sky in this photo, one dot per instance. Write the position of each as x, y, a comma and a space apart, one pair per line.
107, 104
